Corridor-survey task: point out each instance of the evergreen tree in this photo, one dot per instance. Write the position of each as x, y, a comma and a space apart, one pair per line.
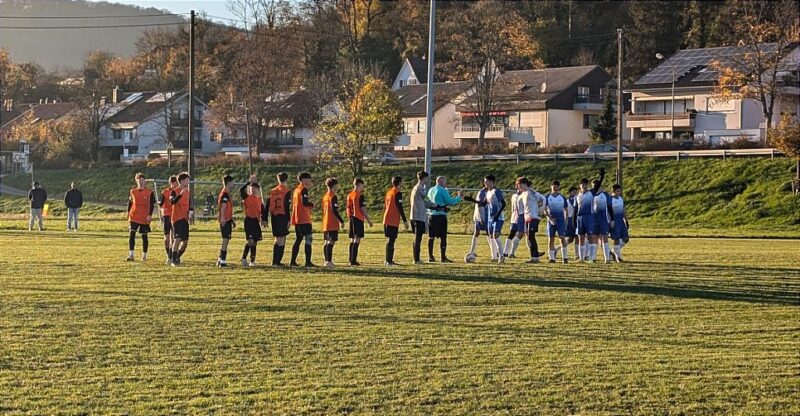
605, 130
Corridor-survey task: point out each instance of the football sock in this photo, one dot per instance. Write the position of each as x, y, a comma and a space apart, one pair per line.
473, 244
606, 251
430, 248
308, 253
130, 253
350, 258
552, 254
593, 251
497, 247
246, 250
618, 250
507, 247
132, 241
253, 254
168, 250
295, 250
355, 252
145, 243
223, 255
443, 247
564, 252
577, 250
514, 244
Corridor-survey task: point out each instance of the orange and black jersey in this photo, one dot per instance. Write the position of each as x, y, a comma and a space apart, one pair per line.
301, 206
279, 199
393, 208
225, 205
141, 204
181, 201
253, 205
331, 219
355, 205
163, 202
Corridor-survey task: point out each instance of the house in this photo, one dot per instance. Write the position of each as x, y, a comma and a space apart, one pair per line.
145, 123
414, 71
413, 99
538, 107
697, 113
14, 117
290, 127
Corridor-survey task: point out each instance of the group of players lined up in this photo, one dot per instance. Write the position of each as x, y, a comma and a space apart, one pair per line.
585, 217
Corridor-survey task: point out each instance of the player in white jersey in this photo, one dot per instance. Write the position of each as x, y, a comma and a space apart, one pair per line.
556, 211
619, 222
531, 202
517, 224
495, 204
601, 208
479, 217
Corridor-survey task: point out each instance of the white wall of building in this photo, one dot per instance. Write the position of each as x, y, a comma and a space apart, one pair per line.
444, 124
406, 76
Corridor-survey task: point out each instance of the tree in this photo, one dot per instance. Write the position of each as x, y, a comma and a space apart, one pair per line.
477, 42
653, 28
786, 138
354, 125
768, 32
605, 130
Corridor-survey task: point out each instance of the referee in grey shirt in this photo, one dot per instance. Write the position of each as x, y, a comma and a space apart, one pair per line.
419, 214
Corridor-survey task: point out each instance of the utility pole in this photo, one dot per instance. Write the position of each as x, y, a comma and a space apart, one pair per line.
620, 106
190, 168
429, 112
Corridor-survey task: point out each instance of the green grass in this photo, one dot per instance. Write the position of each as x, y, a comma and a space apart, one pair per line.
751, 195
686, 326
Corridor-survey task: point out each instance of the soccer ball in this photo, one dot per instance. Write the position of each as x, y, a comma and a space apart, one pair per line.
469, 258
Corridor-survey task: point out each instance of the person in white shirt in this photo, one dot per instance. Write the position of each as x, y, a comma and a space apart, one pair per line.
517, 224
531, 202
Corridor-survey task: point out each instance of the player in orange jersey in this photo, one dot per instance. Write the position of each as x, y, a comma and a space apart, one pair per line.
301, 218
392, 214
141, 204
332, 221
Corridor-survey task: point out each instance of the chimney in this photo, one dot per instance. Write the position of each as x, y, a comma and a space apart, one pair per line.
116, 95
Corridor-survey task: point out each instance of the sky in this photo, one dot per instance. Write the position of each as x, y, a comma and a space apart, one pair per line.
210, 7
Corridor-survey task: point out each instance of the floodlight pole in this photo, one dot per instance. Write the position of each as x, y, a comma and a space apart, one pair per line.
190, 167
620, 106
429, 112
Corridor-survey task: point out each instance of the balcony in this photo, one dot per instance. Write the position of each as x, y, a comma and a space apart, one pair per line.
660, 120
184, 144
177, 122
284, 143
495, 132
588, 102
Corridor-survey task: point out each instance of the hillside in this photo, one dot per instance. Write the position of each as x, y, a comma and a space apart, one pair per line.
60, 49
750, 193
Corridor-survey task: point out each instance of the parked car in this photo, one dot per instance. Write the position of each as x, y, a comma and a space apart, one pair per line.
604, 148
381, 158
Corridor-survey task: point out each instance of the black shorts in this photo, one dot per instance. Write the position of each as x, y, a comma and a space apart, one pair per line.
390, 231
140, 228
331, 235
438, 226
166, 224
356, 228
252, 229
180, 229
280, 225
226, 230
303, 229
533, 226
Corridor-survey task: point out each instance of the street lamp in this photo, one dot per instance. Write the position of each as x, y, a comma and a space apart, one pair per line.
672, 118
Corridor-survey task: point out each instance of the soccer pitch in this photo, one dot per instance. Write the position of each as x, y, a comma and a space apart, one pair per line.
686, 326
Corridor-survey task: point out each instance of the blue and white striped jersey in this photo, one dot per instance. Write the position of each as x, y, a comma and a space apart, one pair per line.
617, 206
479, 215
556, 204
495, 200
601, 205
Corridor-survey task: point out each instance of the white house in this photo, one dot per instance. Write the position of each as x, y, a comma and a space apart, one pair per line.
145, 122
413, 99
413, 72
697, 114
539, 107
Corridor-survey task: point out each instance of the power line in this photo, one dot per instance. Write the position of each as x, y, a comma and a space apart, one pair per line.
91, 27
94, 17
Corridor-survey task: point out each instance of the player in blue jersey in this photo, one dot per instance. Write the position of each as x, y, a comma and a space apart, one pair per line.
601, 208
572, 218
496, 204
517, 223
619, 222
555, 206
587, 237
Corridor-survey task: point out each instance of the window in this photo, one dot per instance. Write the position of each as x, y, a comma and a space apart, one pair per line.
402, 82
216, 137
421, 126
584, 91
124, 135
589, 120
285, 134
408, 127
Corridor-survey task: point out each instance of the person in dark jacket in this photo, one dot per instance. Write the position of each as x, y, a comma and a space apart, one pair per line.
73, 199
37, 196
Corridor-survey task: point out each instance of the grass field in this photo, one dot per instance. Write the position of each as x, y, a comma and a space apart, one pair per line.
686, 326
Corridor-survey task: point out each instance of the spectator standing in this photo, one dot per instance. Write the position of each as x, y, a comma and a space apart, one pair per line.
37, 196
73, 199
